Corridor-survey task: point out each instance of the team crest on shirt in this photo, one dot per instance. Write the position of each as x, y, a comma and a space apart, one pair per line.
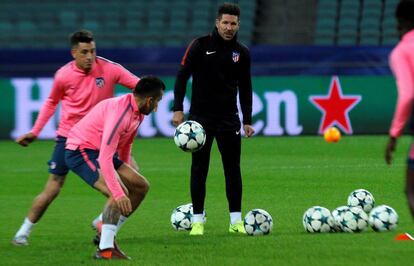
100, 82
236, 57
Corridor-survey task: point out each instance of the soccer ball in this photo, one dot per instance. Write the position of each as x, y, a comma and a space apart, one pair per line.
337, 215
318, 219
332, 134
354, 220
361, 198
383, 218
181, 217
258, 222
190, 136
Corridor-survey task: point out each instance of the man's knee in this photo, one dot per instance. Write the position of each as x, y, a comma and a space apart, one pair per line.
140, 185
143, 186
146, 186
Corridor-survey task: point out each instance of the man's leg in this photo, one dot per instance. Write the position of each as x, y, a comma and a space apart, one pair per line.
136, 184
137, 187
110, 217
42, 201
199, 170
129, 175
39, 206
229, 144
97, 222
84, 164
58, 171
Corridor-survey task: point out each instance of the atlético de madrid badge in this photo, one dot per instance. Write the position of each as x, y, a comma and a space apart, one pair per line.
100, 82
236, 57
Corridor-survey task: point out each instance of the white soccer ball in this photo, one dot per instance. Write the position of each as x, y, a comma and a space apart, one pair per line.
258, 222
354, 220
361, 198
181, 217
190, 136
337, 215
318, 219
383, 218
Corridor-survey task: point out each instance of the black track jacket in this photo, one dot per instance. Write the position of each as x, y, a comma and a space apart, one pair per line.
219, 69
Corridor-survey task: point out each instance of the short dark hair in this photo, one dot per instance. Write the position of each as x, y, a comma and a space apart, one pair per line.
229, 9
81, 36
405, 11
149, 86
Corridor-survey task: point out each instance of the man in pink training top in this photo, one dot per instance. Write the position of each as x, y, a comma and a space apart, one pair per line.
98, 149
79, 85
402, 65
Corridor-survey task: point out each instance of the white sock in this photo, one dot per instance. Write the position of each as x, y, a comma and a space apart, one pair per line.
235, 217
197, 218
26, 228
121, 221
97, 220
107, 236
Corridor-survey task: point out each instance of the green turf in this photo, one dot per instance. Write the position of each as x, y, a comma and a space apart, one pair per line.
283, 175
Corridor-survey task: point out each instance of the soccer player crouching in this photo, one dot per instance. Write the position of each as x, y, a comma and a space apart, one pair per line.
98, 149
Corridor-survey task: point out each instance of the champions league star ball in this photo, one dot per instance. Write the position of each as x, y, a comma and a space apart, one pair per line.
258, 222
354, 220
338, 216
361, 198
383, 218
318, 219
181, 217
190, 136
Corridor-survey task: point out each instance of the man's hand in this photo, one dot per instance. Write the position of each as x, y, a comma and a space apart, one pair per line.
248, 130
392, 142
178, 118
124, 205
26, 139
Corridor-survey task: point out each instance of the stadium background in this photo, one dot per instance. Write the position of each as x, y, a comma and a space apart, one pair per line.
297, 46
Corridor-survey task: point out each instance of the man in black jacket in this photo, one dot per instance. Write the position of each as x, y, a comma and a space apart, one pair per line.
220, 68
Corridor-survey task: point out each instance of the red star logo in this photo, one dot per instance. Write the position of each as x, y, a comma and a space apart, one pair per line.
335, 107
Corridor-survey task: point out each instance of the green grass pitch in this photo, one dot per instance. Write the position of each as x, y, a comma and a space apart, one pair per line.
283, 175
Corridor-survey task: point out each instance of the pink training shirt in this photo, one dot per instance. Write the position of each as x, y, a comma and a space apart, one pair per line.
109, 127
402, 65
80, 91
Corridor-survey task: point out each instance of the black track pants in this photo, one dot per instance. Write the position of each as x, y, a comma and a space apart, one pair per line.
229, 144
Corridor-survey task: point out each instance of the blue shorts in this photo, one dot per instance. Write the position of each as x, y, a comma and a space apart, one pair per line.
57, 164
84, 163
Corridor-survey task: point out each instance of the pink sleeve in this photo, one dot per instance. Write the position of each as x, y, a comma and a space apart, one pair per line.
49, 107
124, 77
110, 139
400, 66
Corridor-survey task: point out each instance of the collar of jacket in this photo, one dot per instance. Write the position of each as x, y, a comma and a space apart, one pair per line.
217, 38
